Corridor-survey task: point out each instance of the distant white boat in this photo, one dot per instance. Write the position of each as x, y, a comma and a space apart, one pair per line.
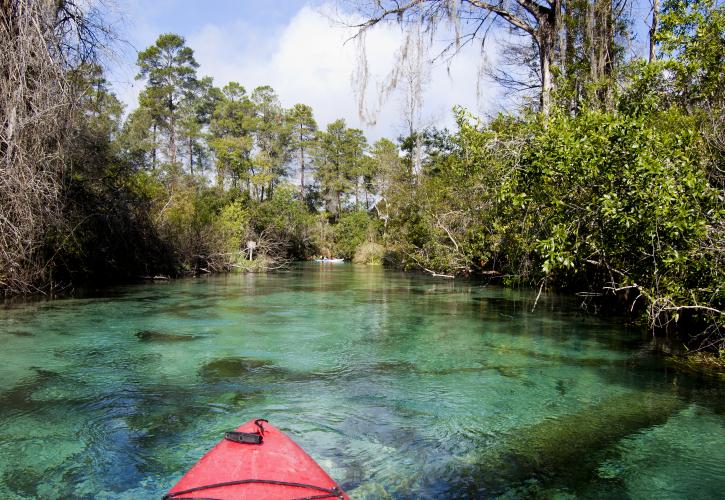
330, 261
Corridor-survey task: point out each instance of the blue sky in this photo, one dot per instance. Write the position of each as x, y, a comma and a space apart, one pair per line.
293, 47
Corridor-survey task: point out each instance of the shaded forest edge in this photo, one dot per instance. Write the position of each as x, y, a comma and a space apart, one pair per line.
610, 187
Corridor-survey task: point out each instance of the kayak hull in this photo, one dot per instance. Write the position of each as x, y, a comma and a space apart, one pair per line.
275, 469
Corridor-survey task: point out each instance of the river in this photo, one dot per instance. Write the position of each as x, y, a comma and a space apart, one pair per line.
399, 385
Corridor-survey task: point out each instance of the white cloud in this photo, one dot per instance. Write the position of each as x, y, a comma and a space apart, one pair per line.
308, 61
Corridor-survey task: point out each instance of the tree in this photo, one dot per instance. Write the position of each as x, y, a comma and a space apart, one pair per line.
653, 30
96, 134
692, 43
539, 20
389, 178
563, 38
338, 155
692, 35
169, 69
41, 43
153, 112
304, 129
196, 113
102, 107
251, 138
232, 125
272, 136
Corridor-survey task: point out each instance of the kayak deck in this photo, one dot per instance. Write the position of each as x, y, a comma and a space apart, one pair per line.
275, 469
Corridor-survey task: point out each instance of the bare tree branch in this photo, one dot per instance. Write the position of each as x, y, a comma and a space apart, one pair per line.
505, 14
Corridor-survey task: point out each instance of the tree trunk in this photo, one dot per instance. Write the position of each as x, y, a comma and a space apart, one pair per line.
606, 52
153, 152
547, 37
191, 156
569, 63
653, 30
590, 42
546, 78
302, 173
563, 40
172, 132
357, 193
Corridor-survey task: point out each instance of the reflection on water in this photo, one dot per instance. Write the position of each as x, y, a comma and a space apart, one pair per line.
399, 385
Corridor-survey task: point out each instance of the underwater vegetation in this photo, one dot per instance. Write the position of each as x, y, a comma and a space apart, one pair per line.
157, 336
567, 447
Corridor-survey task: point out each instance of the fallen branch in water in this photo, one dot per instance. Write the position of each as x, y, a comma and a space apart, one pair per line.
438, 275
543, 282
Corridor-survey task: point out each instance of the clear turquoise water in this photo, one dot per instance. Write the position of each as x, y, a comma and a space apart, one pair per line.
400, 385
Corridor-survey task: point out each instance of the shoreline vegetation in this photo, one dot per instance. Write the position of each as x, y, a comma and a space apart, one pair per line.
607, 181
707, 364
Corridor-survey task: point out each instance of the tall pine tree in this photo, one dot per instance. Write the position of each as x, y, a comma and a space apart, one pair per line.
169, 69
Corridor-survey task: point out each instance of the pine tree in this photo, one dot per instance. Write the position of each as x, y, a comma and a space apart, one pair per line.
231, 135
338, 155
304, 129
169, 69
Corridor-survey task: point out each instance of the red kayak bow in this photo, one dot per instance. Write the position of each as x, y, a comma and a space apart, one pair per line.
256, 461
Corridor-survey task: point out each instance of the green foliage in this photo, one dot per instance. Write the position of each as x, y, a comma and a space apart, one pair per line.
288, 218
628, 193
231, 138
593, 201
169, 68
303, 132
370, 253
339, 161
136, 139
195, 116
251, 139
454, 220
352, 230
692, 35
233, 224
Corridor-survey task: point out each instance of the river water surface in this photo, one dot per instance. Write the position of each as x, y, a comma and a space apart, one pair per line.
399, 385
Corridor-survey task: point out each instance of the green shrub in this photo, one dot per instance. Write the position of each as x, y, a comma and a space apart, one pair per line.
369, 253
233, 225
625, 200
288, 218
259, 264
351, 231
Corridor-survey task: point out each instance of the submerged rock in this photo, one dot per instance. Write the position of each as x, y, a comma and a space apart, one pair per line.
20, 396
235, 367
156, 336
159, 416
370, 490
20, 333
